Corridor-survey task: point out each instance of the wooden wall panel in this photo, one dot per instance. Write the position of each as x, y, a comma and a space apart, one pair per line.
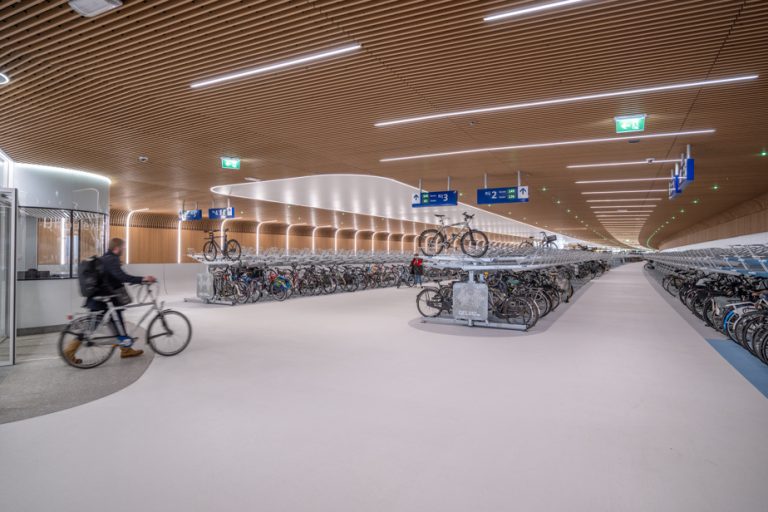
747, 218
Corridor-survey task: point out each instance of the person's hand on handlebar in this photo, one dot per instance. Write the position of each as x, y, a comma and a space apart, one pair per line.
149, 279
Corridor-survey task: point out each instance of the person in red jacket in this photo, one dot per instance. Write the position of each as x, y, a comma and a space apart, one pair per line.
417, 269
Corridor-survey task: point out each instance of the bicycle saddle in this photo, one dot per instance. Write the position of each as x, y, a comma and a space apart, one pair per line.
468, 216
439, 215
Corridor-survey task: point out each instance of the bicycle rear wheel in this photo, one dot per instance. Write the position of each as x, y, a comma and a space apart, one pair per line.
169, 333
209, 251
474, 243
431, 242
78, 351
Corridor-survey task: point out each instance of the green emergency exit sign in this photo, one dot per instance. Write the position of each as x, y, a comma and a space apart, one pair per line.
627, 124
230, 163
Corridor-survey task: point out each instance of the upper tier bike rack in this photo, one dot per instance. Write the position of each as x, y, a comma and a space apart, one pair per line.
751, 260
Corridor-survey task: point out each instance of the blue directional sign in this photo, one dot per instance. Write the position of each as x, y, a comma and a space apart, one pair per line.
681, 178
185, 215
502, 195
442, 198
221, 213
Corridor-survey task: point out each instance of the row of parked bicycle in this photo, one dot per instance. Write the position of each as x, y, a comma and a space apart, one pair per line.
734, 305
516, 297
241, 284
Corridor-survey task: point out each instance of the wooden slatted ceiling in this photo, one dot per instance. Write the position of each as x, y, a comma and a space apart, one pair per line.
96, 93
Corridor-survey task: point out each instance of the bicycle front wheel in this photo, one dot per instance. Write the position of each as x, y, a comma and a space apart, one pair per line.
169, 333
233, 250
474, 243
429, 302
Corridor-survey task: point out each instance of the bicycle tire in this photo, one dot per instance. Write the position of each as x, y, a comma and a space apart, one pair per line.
163, 318
209, 251
233, 250
474, 243
71, 334
432, 302
431, 242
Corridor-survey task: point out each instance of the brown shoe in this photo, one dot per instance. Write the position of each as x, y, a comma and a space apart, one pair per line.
71, 349
129, 352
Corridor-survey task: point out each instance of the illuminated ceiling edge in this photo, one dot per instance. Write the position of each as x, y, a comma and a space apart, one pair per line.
218, 189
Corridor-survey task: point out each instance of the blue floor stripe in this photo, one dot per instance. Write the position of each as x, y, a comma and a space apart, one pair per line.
748, 365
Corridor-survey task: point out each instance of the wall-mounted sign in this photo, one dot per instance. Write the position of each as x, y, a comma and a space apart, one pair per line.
230, 163
502, 195
681, 178
628, 124
221, 213
185, 215
442, 198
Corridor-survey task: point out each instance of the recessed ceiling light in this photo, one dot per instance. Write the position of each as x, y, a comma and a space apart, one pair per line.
648, 191
91, 8
570, 99
547, 144
526, 10
276, 65
4, 79
627, 180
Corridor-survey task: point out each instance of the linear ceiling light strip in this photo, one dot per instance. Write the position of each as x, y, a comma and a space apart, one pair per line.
626, 206
570, 99
650, 161
639, 199
549, 144
276, 66
649, 191
528, 10
625, 180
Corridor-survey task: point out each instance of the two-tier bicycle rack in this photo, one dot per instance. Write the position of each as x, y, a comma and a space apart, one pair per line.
513, 259
746, 260
278, 258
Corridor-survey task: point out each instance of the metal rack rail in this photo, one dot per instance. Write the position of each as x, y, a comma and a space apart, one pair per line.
749, 260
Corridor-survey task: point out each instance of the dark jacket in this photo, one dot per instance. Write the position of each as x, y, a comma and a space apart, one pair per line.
114, 276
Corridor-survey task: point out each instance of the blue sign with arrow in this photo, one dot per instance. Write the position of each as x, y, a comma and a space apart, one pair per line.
681, 178
502, 195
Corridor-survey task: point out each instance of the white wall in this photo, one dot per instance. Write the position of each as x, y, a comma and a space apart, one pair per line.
42, 303
53, 187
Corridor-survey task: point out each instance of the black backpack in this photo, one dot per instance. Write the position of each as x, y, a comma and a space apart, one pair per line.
90, 274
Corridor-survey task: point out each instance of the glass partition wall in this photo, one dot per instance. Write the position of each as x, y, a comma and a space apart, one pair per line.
51, 241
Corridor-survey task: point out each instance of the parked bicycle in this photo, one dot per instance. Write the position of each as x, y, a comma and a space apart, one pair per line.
229, 249
473, 242
546, 241
168, 332
734, 305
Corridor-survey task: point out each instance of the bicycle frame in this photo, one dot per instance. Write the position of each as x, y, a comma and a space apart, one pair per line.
454, 236
111, 314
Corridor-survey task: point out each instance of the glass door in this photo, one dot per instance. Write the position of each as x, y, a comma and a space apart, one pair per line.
7, 275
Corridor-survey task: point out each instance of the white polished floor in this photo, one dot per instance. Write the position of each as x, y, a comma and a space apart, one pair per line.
342, 404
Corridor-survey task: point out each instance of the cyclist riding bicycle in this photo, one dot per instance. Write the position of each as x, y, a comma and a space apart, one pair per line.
112, 280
